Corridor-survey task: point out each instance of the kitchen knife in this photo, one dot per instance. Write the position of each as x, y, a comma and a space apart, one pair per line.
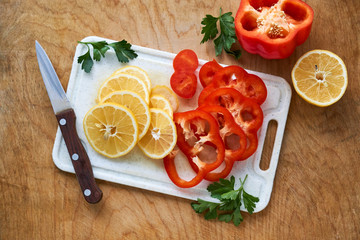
66, 119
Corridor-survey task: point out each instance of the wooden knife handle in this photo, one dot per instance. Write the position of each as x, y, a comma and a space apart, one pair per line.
79, 157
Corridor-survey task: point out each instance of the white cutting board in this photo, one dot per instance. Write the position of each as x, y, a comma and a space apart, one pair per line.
137, 170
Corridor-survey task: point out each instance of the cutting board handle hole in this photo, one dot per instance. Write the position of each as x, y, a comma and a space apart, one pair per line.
268, 145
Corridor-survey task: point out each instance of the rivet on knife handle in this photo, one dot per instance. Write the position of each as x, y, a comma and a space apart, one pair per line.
79, 157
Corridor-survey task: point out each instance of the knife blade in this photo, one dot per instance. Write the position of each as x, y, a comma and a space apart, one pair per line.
66, 118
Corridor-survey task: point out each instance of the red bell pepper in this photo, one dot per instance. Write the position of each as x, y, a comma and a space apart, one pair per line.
170, 167
246, 112
195, 130
249, 85
233, 151
273, 28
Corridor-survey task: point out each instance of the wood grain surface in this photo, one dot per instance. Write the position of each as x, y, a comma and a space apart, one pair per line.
316, 189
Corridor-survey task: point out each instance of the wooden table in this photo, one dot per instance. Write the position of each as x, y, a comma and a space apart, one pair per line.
316, 189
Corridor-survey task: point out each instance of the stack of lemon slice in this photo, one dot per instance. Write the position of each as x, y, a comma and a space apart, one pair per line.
132, 113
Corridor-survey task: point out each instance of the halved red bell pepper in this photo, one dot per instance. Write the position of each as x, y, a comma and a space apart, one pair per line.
273, 28
249, 85
195, 130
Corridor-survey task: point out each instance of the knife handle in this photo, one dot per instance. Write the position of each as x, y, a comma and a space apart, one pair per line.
79, 157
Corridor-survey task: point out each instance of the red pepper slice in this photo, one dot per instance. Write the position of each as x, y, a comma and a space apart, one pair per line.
183, 83
195, 129
203, 128
249, 85
247, 113
252, 144
170, 167
207, 72
228, 127
186, 60
273, 28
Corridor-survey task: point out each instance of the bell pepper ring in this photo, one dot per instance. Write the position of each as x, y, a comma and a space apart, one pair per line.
170, 167
207, 72
228, 128
246, 112
249, 85
252, 144
195, 129
273, 28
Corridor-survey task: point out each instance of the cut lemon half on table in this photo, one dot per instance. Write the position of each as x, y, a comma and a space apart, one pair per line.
111, 129
320, 77
168, 94
123, 81
136, 104
159, 101
137, 72
161, 137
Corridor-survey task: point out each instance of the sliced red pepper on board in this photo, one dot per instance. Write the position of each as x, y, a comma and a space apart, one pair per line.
228, 128
207, 72
195, 130
249, 85
252, 144
170, 167
273, 28
186, 60
184, 84
247, 113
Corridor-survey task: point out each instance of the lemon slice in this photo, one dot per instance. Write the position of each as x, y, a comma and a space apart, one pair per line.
168, 94
137, 72
123, 82
159, 101
111, 129
320, 77
161, 137
136, 104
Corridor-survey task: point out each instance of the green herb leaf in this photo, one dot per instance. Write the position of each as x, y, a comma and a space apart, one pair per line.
223, 186
225, 217
203, 205
230, 201
209, 30
237, 217
227, 35
249, 202
122, 50
86, 61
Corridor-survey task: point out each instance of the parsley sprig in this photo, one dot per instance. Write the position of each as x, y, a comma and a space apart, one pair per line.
122, 50
231, 200
227, 35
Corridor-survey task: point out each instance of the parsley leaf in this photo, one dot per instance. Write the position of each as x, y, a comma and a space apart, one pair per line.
228, 209
209, 30
86, 61
227, 35
122, 50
